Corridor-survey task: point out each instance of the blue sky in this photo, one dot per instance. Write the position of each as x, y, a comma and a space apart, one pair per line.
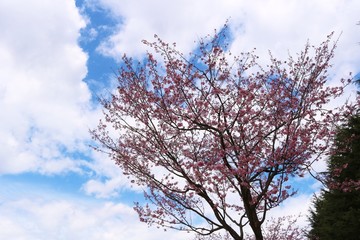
57, 56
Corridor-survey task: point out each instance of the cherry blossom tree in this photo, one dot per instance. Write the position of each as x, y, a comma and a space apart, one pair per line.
214, 138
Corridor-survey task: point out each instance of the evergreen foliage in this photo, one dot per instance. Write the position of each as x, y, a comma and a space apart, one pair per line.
336, 213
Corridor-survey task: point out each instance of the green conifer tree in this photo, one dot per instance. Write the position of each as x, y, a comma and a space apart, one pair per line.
336, 212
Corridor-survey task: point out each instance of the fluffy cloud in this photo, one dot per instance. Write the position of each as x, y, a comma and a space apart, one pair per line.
297, 206
275, 25
285, 26
44, 102
174, 21
29, 212
37, 216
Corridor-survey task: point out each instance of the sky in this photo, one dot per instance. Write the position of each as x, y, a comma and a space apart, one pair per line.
58, 56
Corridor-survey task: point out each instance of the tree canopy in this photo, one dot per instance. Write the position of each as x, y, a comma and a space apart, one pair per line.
214, 138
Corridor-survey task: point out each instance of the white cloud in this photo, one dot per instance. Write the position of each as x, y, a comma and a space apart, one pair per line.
44, 101
276, 25
282, 26
174, 21
294, 206
110, 187
48, 215
108, 180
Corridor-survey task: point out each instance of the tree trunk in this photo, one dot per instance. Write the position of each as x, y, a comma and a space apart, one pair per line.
251, 214
257, 231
